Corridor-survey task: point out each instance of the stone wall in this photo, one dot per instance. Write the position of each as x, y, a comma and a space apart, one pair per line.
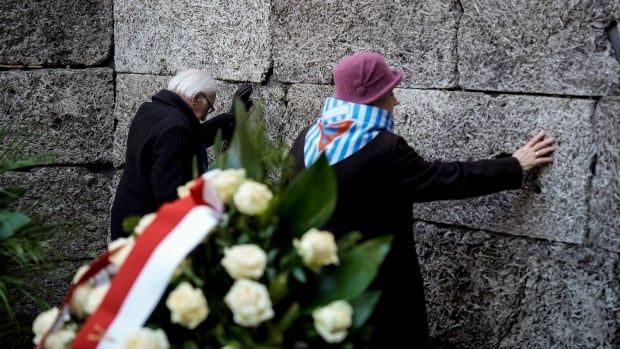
533, 268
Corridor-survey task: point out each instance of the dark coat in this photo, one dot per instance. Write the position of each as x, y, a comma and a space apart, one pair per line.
376, 189
165, 139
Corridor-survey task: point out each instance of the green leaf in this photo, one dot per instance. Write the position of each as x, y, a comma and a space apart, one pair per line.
188, 272
289, 316
364, 305
130, 223
348, 240
5, 303
233, 345
9, 195
218, 149
271, 255
32, 161
190, 345
277, 287
300, 275
9, 327
357, 269
11, 222
242, 152
195, 168
310, 199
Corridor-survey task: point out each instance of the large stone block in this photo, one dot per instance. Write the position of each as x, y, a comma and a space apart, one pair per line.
55, 32
72, 201
604, 220
134, 89
489, 291
230, 39
305, 103
555, 47
572, 300
469, 126
419, 37
63, 112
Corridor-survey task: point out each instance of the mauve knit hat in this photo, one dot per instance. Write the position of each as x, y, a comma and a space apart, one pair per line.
364, 78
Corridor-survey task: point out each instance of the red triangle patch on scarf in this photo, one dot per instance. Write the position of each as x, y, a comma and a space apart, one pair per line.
333, 131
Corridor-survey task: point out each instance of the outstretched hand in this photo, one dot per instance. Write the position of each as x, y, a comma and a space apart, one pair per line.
243, 92
538, 151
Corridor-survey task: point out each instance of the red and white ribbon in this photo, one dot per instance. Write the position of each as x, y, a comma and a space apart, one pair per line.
142, 279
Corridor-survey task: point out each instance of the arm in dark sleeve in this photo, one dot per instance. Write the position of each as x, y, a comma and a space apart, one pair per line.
172, 163
427, 181
224, 122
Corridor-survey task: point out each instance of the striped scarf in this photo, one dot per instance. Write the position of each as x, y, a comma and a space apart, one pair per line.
343, 129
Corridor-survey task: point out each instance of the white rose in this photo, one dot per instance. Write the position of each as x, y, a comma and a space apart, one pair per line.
144, 222
43, 322
125, 245
252, 198
60, 339
317, 248
80, 294
187, 305
245, 261
146, 338
227, 182
249, 302
333, 321
183, 190
79, 299
81, 271
95, 297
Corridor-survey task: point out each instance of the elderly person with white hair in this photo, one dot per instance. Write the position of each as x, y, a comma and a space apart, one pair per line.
165, 138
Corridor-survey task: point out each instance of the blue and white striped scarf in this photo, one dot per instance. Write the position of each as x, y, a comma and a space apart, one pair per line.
343, 129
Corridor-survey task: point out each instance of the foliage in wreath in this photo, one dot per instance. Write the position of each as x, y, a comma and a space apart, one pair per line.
265, 277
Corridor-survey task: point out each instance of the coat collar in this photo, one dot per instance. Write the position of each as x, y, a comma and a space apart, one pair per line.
173, 99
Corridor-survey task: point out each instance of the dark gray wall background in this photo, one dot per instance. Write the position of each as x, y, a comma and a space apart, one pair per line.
535, 268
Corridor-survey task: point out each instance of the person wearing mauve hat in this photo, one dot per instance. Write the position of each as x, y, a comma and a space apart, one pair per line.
379, 177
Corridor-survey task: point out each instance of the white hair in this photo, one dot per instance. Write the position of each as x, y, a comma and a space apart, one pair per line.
189, 83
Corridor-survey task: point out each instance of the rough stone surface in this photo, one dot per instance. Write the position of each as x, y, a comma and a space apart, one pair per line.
489, 291
304, 106
231, 39
134, 89
73, 201
65, 112
113, 185
470, 126
55, 32
557, 47
273, 99
419, 37
604, 220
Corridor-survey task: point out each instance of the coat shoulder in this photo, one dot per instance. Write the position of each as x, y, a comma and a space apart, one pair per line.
161, 116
